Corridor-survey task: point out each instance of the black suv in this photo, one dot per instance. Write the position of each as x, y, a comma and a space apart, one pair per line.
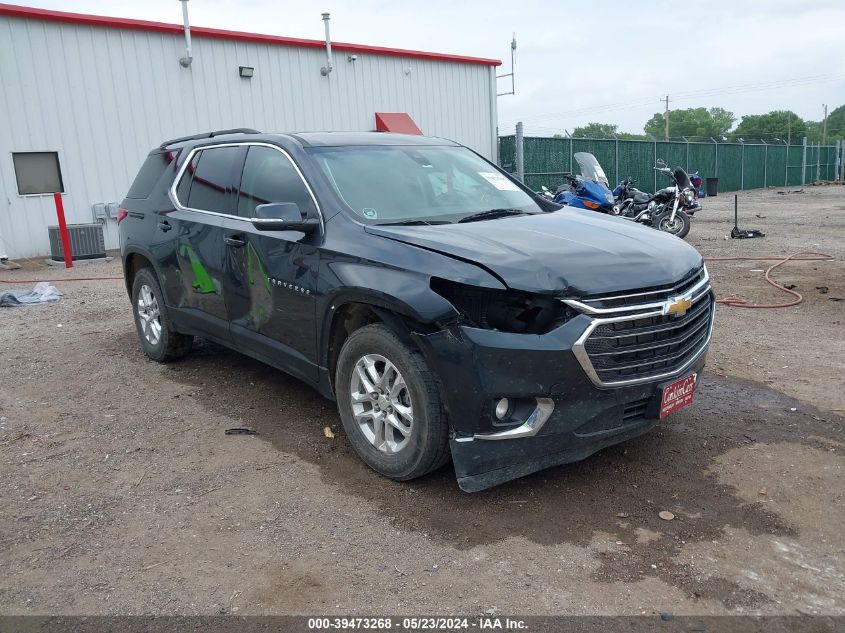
444, 306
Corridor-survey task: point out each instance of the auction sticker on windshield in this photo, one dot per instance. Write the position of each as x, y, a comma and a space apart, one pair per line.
677, 395
498, 180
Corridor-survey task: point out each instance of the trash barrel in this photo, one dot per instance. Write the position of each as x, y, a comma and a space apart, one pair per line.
712, 185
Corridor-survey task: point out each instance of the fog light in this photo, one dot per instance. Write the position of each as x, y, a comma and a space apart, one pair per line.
503, 407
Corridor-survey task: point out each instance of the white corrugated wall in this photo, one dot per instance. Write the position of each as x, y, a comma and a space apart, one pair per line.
103, 97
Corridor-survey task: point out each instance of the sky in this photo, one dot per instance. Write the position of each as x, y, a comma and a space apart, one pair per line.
608, 61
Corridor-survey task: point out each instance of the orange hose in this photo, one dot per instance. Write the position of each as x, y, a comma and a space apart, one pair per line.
739, 302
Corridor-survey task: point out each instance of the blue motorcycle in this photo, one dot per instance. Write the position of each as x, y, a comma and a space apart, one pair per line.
589, 190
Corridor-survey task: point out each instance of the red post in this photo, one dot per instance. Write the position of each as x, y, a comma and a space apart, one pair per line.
60, 212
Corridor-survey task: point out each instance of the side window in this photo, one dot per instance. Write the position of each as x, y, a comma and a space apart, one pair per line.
270, 176
184, 186
214, 180
152, 169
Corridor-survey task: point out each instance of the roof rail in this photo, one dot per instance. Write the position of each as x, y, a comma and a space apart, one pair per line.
194, 137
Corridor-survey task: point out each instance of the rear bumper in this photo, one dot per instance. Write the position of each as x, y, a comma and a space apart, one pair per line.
476, 367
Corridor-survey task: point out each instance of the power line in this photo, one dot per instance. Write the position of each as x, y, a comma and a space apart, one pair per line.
689, 95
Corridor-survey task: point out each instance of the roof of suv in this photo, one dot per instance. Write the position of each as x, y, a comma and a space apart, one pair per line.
314, 139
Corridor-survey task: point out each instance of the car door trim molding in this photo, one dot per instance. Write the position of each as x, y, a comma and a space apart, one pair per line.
171, 192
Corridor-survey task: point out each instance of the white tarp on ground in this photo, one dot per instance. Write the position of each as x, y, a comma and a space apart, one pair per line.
42, 292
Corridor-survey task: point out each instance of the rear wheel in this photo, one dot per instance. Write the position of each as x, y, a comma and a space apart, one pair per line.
152, 321
390, 405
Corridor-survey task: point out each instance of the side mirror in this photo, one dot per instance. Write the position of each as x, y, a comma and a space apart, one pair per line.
282, 216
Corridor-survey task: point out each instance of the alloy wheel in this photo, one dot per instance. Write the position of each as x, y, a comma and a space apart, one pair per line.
149, 315
381, 403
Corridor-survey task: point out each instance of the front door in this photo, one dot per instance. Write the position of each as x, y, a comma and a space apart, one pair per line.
206, 193
273, 274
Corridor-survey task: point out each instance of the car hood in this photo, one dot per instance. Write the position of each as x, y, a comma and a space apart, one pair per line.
568, 252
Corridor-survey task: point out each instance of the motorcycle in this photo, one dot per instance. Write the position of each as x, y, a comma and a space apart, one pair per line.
664, 206
630, 200
697, 182
677, 202
587, 190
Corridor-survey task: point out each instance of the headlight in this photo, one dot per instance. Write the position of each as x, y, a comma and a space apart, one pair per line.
504, 310
609, 197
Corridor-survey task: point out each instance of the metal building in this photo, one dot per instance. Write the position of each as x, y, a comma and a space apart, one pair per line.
84, 98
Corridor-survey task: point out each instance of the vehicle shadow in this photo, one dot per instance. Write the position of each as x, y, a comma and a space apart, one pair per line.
619, 491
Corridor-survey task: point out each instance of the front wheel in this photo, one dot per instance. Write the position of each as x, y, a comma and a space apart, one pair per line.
678, 227
390, 405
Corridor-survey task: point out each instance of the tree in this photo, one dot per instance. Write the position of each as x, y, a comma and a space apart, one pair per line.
692, 122
596, 130
835, 127
780, 124
836, 124
604, 130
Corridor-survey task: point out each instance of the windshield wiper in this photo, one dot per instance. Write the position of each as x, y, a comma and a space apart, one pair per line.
413, 223
490, 214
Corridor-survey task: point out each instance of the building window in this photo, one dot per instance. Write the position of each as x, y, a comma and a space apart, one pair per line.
37, 173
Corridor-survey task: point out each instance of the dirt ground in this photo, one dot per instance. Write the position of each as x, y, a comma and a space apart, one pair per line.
120, 493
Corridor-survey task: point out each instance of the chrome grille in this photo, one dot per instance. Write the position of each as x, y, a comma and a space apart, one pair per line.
633, 343
635, 299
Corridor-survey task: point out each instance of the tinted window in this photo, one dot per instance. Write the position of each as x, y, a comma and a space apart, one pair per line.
37, 172
183, 189
269, 176
151, 171
213, 183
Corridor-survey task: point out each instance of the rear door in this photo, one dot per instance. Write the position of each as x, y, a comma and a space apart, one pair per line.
206, 197
273, 278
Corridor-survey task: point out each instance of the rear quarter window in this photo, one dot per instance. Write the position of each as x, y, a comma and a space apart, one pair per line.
150, 173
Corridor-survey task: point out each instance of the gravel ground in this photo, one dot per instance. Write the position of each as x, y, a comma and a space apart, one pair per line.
122, 495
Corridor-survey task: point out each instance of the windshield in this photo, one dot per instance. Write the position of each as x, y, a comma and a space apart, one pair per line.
406, 183
681, 178
590, 168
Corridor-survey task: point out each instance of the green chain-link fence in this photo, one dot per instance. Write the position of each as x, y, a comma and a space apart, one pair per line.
736, 165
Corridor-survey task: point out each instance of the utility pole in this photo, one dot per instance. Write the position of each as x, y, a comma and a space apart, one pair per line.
666, 120
824, 125
788, 129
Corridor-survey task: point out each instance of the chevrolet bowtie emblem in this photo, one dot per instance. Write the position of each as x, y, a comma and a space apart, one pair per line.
678, 307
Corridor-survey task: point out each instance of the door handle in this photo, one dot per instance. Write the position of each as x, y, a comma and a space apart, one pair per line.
164, 225
234, 240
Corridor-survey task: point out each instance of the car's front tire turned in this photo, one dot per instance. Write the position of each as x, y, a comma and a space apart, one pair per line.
159, 340
390, 405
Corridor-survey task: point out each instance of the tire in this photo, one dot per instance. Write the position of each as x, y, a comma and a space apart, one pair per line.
423, 444
679, 228
147, 299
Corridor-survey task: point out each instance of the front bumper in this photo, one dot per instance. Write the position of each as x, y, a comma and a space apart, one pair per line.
477, 366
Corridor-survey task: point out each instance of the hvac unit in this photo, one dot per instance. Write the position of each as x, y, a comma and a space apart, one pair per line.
86, 241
